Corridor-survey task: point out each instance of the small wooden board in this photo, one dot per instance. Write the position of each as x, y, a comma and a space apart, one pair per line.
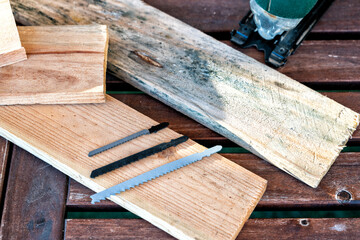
273, 116
66, 64
210, 199
11, 50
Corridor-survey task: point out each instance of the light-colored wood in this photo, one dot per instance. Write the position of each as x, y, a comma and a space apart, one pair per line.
66, 64
280, 120
210, 199
11, 50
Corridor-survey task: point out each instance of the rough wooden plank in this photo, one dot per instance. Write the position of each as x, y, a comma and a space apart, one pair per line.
11, 50
34, 205
186, 126
288, 228
293, 127
210, 199
66, 64
339, 188
223, 16
331, 64
4, 152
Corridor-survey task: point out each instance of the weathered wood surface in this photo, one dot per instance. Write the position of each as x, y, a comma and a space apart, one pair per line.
186, 126
337, 190
290, 228
66, 64
4, 152
223, 16
11, 50
280, 120
210, 199
330, 64
34, 205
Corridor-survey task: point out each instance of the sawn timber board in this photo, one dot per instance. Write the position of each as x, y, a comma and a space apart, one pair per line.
11, 50
66, 64
210, 199
273, 116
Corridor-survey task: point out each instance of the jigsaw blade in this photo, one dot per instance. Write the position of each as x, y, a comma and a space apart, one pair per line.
137, 156
152, 174
151, 130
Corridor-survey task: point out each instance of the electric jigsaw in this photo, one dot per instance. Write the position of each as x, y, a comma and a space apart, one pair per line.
278, 27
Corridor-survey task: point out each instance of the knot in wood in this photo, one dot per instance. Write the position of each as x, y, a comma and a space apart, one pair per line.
146, 57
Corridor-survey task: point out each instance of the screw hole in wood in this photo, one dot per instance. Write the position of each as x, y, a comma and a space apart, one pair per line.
343, 196
304, 222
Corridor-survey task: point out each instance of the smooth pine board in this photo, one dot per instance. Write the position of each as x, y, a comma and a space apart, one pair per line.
66, 64
210, 199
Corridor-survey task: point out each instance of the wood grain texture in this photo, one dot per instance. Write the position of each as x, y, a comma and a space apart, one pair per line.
186, 126
338, 189
293, 127
331, 64
291, 228
4, 153
11, 50
34, 205
223, 16
210, 199
66, 64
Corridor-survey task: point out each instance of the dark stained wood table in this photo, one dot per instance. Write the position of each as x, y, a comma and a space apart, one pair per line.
38, 202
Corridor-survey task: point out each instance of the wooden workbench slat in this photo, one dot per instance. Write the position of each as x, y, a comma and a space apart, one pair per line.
4, 153
338, 188
288, 228
34, 205
11, 50
66, 64
210, 199
223, 16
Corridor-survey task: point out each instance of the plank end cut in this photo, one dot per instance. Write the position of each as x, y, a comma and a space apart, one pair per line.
11, 50
210, 199
66, 65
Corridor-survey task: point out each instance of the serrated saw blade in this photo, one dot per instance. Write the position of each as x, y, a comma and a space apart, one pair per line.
152, 174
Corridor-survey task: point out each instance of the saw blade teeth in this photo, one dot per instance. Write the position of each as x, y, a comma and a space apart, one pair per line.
95, 200
158, 172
